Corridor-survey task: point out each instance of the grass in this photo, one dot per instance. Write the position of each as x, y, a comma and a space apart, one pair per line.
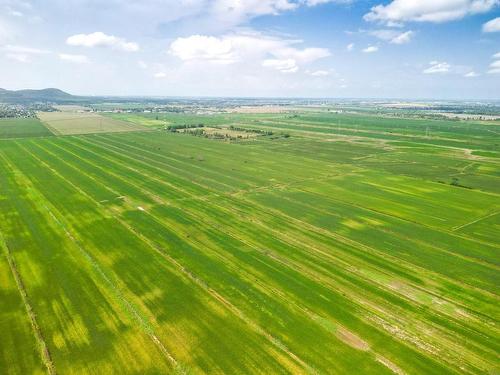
22, 128
68, 123
153, 252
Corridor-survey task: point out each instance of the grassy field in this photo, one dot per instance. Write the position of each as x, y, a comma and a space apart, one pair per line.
358, 244
72, 122
22, 127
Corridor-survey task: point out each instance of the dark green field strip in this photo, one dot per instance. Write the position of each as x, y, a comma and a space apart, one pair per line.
22, 128
19, 351
65, 291
418, 126
149, 226
333, 129
465, 130
218, 335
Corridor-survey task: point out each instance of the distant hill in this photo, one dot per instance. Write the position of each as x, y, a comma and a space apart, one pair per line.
49, 95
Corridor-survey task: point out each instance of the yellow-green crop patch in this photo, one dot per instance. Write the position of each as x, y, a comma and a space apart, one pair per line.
159, 252
73, 122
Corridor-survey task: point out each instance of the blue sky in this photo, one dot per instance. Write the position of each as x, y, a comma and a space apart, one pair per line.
446, 49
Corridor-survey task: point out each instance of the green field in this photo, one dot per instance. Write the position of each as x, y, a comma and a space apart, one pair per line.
359, 244
22, 127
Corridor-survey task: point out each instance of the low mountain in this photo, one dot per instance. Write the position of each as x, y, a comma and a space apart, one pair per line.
50, 95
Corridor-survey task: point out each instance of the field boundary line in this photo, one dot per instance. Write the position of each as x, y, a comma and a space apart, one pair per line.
50, 128
475, 221
37, 332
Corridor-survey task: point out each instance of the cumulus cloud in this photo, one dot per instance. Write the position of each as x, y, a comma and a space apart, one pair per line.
492, 26
268, 51
77, 59
99, 39
350, 46
496, 55
370, 49
437, 67
399, 11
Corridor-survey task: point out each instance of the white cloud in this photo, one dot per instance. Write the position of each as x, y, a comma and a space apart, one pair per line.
312, 3
237, 12
402, 38
246, 46
202, 47
496, 55
77, 59
471, 75
370, 49
495, 64
350, 46
399, 11
284, 66
24, 50
99, 39
393, 36
494, 67
437, 67
19, 57
20, 53
160, 75
492, 26
318, 73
